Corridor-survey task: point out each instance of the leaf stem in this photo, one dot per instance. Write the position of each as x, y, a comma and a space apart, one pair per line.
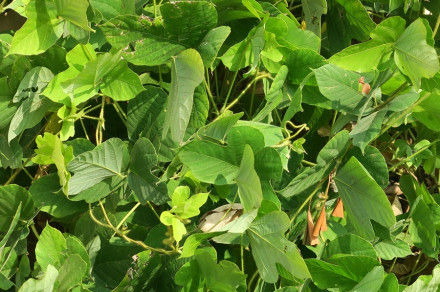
307, 200
414, 268
229, 90
210, 96
437, 24
126, 216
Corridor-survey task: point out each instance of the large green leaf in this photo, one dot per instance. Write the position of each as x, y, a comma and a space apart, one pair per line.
47, 194
186, 74
422, 228
71, 272
33, 83
143, 111
343, 272
43, 284
414, 56
11, 197
106, 160
270, 247
341, 87
313, 10
428, 112
74, 11
210, 162
112, 8
77, 58
359, 22
248, 182
29, 114
145, 185
11, 154
363, 199
367, 129
211, 44
42, 29
51, 248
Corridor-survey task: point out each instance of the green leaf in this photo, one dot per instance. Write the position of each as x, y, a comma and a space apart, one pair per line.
248, 182
29, 114
343, 272
269, 248
340, 87
121, 83
210, 162
11, 154
186, 74
71, 272
106, 160
74, 11
52, 151
313, 10
42, 29
77, 58
11, 196
204, 271
144, 184
33, 83
220, 127
110, 9
193, 241
47, 194
200, 110
414, 57
41, 285
100, 190
426, 283
349, 244
211, 44
51, 248
363, 199
428, 112
372, 281
359, 21
389, 250
143, 111
188, 22
301, 62
363, 57
422, 228
374, 163
367, 129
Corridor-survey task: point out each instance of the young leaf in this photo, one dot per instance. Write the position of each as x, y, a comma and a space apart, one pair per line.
186, 74
248, 182
52, 151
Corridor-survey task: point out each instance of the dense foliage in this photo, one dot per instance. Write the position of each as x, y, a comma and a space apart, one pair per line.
224, 145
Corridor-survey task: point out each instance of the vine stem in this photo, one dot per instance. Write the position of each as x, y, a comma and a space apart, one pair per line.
126, 216
243, 92
437, 24
307, 200
121, 234
414, 268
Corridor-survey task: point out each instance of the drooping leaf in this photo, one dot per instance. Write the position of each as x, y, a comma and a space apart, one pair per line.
269, 248
106, 160
248, 182
363, 199
211, 44
186, 74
